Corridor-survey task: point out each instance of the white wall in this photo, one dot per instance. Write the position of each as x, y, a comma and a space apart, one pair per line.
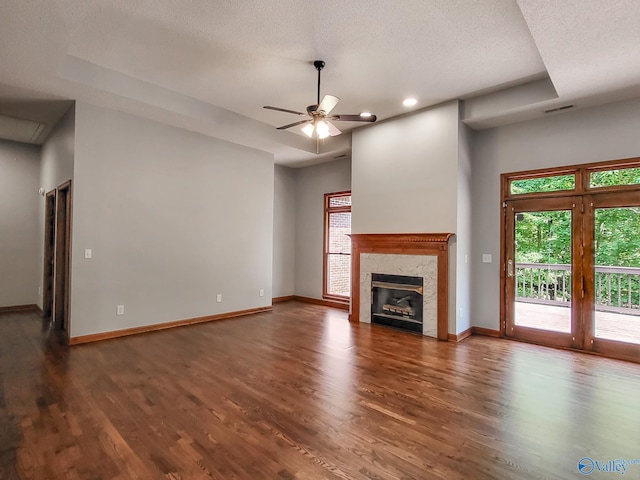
284, 231
56, 167
311, 185
19, 234
583, 136
406, 180
173, 218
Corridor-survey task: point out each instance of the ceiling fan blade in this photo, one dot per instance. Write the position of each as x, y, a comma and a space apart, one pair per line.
353, 118
284, 127
283, 110
328, 103
333, 130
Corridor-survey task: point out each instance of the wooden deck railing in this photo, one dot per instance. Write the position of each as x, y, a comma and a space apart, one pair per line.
617, 289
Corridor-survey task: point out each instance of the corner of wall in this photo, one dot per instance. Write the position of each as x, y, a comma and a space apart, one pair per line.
284, 231
464, 232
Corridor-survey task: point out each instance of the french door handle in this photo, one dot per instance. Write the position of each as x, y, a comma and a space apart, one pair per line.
510, 268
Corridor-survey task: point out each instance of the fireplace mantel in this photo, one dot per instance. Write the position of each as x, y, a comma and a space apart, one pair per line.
434, 244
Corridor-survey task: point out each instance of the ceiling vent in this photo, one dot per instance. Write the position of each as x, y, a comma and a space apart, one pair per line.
565, 107
20, 129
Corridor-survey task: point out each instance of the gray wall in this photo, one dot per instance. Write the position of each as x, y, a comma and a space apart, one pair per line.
58, 154
19, 234
284, 231
173, 218
56, 167
405, 173
406, 180
464, 238
583, 136
311, 185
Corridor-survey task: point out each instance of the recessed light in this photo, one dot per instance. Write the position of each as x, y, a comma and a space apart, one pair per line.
365, 114
409, 102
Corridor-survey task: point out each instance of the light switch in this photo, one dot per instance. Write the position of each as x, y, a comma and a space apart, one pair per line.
87, 253
487, 258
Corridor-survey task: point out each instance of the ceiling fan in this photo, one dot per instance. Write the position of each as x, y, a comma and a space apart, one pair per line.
319, 125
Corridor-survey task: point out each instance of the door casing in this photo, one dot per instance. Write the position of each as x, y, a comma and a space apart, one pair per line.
57, 257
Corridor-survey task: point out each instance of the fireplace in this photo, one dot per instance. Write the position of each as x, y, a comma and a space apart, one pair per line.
422, 255
396, 301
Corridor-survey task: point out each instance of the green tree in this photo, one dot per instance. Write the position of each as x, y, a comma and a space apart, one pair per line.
545, 237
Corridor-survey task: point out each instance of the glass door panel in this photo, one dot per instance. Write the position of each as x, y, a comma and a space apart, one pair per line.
540, 278
543, 270
616, 253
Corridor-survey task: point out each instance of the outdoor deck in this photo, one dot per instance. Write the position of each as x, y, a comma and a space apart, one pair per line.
613, 326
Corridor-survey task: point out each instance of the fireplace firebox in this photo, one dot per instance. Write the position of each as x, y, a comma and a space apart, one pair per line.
396, 301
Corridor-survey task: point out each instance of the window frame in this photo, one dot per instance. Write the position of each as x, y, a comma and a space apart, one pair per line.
328, 210
582, 179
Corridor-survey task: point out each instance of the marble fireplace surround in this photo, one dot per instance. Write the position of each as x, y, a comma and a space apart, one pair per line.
392, 254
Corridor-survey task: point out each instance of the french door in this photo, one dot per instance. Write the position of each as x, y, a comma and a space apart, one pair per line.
571, 273
612, 307
543, 271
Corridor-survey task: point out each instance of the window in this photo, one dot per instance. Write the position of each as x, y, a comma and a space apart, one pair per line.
337, 246
543, 184
612, 178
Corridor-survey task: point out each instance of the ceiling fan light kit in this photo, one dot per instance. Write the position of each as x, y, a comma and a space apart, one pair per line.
319, 124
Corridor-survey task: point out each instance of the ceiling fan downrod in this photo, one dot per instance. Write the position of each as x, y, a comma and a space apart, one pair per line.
319, 64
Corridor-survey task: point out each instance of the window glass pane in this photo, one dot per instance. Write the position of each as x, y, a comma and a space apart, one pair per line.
339, 228
338, 246
609, 178
543, 184
339, 275
343, 201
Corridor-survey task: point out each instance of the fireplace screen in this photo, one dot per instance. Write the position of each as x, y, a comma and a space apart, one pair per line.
396, 301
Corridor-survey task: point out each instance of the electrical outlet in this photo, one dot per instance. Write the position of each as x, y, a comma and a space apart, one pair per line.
219, 298
460, 312
487, 258
261, 292
39, 290
120, 310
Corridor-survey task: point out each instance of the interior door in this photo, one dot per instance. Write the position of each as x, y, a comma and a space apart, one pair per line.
49, 251
60, 317
612, 274
543, 277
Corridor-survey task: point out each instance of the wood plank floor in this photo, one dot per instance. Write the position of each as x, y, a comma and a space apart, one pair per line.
301, 393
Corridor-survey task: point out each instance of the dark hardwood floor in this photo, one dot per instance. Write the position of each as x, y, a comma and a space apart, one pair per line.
301, 393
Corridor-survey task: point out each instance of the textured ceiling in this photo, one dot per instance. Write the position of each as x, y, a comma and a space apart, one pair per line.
210, 66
